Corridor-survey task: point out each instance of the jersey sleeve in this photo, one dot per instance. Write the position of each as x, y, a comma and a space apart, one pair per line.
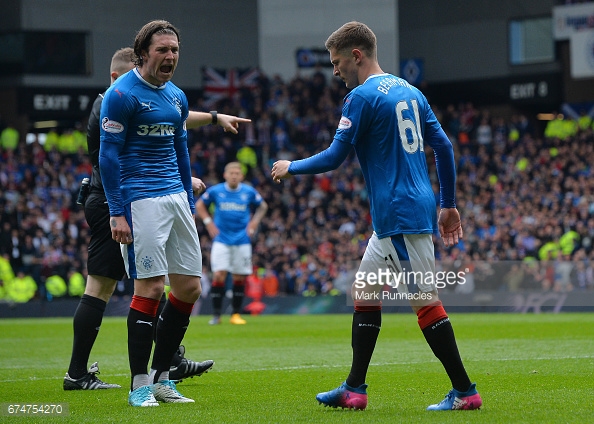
326, 160
444, 159
116, 110
93, 131
183, 156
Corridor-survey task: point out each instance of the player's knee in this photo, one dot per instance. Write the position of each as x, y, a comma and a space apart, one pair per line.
193, 291
151, 288
425, 299
219, 277
100, 287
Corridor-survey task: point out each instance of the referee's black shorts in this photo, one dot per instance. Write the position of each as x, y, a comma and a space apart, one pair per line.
105, 256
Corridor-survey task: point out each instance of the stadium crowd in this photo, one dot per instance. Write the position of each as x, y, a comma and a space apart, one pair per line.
526, 197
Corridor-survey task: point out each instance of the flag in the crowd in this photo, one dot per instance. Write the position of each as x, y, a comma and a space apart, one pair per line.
220, 83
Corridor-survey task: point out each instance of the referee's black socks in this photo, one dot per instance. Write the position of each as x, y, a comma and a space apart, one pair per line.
86, 323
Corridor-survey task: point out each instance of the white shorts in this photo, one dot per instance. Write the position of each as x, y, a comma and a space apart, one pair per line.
234, 259
404, 261
165, 238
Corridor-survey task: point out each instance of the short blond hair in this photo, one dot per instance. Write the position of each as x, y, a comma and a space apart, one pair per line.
121, 60
233, 165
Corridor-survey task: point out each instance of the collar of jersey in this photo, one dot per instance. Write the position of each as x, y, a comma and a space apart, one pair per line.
232, 189
374, 76
158, 87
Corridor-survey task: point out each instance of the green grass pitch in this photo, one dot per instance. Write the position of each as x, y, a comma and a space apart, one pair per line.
528, 369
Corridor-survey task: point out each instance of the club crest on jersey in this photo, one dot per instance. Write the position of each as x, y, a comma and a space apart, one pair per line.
177, 104
111, 126
345, 123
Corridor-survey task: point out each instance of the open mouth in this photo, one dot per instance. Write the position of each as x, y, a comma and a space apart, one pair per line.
166, 69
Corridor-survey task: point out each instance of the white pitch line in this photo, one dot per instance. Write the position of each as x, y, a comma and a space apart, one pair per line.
373, 364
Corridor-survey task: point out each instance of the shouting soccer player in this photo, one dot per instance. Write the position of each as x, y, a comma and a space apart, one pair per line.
145, 166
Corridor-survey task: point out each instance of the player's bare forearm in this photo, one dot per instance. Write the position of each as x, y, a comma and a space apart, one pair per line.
209, 224
257, 218
201, 210
260, 212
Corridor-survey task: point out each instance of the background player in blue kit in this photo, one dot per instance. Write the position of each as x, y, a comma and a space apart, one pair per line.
145, 166
231, 229
387, 122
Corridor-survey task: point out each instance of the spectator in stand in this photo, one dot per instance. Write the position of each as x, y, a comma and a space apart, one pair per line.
9, 138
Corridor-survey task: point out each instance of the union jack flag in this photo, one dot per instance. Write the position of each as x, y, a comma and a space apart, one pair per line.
220, 83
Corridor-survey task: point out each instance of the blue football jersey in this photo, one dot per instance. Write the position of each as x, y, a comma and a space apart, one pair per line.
233, 211
146, 124
388, 122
